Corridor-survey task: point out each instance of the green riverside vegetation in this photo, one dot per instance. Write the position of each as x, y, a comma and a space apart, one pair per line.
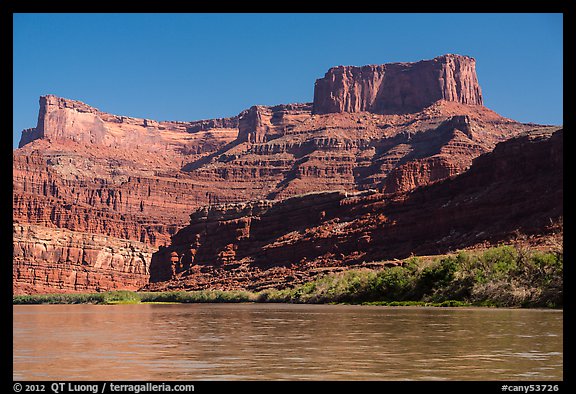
502, 276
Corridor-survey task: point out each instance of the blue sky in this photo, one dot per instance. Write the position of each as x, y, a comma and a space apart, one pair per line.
199, 66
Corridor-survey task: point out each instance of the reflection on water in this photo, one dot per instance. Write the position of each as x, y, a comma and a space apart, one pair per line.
277, 341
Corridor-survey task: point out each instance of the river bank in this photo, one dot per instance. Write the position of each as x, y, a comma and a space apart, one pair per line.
502, 276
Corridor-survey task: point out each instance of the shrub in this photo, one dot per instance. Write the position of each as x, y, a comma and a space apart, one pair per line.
518, 277
121, 297
499, 261
83, 298
436, 276
395, 283
200, 296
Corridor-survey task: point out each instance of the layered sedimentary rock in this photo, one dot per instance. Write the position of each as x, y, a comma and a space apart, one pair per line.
88, 171
350, 151
59, 260
261, 124
517, 187
398, 87
65, 120
77, 191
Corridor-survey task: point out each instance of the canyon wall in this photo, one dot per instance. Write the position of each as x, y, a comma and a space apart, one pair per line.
515, 188
85, 171
82, 171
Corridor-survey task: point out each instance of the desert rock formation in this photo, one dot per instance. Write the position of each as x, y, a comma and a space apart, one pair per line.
390, 128
398, 87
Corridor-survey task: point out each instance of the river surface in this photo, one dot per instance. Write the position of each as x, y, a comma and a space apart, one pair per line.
284, 342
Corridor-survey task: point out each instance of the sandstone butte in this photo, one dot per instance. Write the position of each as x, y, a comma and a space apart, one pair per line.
387, 161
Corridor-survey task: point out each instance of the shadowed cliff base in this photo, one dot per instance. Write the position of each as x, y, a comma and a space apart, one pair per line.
503, 276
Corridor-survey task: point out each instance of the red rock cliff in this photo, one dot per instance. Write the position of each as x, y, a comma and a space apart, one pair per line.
254, 245
59, 260
398, 87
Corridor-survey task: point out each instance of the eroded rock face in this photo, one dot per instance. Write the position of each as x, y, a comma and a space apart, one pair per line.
63, 120
59, 260
261, 124
518, 186
398, 87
